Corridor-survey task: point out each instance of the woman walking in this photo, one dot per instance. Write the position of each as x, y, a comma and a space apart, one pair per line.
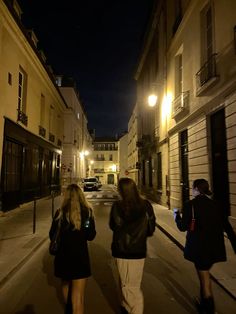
132, 220
205, 224
71, 262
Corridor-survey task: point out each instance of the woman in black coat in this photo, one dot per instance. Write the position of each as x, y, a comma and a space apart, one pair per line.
205, 224
71, 262
132, 220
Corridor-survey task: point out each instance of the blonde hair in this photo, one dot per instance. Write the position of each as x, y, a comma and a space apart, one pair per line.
74, 201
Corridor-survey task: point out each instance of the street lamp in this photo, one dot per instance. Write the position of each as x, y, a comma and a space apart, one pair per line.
152, 100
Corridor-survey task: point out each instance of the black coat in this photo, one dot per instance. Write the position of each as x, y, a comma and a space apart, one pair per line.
72, 260
206, 243
130, 231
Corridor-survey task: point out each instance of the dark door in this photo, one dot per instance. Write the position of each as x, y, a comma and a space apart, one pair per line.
220, 181
12, 174
184, 165
110, 179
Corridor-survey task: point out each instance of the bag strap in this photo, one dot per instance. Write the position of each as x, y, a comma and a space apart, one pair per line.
193, 212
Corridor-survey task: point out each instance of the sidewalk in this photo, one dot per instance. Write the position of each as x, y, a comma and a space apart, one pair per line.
17, 240
224, 273
18, 243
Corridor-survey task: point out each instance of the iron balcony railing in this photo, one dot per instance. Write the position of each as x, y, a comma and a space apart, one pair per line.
22, 117
51, 137
180, 103
207, 71
42, 131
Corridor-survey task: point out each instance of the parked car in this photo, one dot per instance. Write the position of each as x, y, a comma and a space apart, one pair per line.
91, 184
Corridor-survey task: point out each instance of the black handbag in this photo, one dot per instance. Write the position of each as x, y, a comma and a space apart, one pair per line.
55, 240
89, 227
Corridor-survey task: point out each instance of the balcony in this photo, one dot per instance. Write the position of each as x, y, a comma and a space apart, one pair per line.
99, 170
206, 77
51, 137
22, 117
99, 158
145, 140
42, 131
180, 105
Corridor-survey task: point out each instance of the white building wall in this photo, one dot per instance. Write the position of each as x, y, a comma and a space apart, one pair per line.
15, 52
230, 112
123, 156
132, 146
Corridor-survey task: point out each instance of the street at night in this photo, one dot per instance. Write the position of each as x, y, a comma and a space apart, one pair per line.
129, 106
169, 282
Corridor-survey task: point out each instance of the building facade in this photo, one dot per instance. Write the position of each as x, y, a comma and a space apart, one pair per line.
194, 55
123, 156
77, 142
31, 114
104, 160
133, 162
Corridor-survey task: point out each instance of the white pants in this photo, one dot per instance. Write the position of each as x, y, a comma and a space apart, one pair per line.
130, 276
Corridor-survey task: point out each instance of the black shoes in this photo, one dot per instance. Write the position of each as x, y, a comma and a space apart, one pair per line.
205, 306
123, 310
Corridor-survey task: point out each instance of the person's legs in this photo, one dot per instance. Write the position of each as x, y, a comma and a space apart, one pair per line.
207, 301
131, 272
77, 295
205, 283
65, 289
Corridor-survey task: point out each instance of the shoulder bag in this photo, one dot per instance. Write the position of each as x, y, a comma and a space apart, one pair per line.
89, 227
193, 221
55, 240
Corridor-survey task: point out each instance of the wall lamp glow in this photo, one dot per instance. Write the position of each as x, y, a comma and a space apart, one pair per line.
152, 100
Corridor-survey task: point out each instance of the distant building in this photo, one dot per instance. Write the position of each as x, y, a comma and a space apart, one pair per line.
77, 141
31, 114
133, 160
123, 156
104, 161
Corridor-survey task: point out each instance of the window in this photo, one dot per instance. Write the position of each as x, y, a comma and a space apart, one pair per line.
21, 106
51, 118
206, 33
42, 110
110, 157
178, 75
159, 171
22, 91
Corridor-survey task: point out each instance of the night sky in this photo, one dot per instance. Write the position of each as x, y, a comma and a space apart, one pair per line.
98, 44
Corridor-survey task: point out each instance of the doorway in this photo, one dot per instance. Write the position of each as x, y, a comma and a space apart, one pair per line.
110, 179
12, 173
220, 180
184, 165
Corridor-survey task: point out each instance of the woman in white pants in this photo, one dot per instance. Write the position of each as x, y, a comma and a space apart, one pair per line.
132, 220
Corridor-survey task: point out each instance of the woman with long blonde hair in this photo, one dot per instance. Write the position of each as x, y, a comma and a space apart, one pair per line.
71, 262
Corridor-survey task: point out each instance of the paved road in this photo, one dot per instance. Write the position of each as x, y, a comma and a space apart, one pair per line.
169, 281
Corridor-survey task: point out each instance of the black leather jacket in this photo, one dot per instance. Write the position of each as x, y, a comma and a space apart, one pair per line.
130, 232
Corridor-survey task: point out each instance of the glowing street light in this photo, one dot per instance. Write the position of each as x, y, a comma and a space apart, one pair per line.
152, 100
